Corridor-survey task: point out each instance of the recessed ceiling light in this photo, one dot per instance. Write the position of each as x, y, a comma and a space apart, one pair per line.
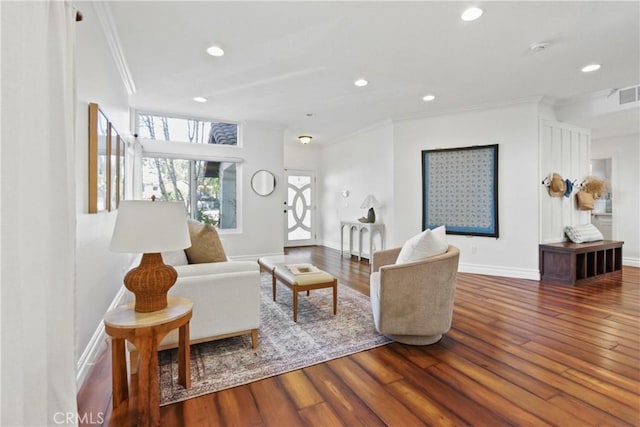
591, 67
200, 99
471, 14
539, 46
361, 82
428, 97
305, 139
215, 51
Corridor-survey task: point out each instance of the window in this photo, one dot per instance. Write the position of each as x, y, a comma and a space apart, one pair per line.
207, 188
175, 171
198, 131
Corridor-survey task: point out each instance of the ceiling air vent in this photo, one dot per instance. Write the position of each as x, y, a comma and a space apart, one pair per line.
630, 94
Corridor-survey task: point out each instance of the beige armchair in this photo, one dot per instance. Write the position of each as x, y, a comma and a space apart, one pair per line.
412, 303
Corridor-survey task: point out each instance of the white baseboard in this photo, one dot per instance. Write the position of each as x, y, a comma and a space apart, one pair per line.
488, 270
631, 262
492, 270
88, 357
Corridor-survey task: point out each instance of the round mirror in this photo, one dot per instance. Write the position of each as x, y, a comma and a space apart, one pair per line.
263, 182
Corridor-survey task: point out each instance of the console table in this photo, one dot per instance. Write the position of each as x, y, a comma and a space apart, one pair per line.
575, 263
360, 227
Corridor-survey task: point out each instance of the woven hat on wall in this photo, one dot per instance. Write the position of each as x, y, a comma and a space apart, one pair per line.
557, 186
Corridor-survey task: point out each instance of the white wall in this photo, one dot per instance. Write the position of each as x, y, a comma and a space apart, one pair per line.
515, 129
362, 164
301, 157
625, 154
99, 272
262, 224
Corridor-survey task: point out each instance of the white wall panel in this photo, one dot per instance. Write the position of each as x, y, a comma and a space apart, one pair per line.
564, 149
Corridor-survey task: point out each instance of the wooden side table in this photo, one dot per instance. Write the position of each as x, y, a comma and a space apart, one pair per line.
146, 331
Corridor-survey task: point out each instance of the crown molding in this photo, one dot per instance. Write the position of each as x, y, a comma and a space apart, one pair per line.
113, 40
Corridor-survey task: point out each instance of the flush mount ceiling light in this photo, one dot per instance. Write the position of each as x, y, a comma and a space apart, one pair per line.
361, 82
200, 99
591, 67
428, 98
305, 139
471, 14
215, 51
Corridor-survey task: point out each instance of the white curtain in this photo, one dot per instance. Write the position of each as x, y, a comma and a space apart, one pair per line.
37, 194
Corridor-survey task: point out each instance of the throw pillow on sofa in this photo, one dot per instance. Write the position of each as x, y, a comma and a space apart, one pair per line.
175, 258
205, 244
424, 245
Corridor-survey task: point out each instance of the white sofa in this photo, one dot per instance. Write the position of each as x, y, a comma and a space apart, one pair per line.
225, 295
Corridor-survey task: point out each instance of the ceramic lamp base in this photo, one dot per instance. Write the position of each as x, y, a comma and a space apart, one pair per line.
150, 282
371, 216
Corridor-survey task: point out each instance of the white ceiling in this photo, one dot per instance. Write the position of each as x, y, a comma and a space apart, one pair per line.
285, 60
611, 125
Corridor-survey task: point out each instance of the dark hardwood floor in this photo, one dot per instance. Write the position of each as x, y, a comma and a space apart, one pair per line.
519, 353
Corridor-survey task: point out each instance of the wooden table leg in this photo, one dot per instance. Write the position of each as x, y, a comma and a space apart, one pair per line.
295, 303
254, 338
119, 386
273, 282
335, 297
148, 383
184, 359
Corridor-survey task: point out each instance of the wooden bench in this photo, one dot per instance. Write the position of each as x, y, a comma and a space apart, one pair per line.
577, 263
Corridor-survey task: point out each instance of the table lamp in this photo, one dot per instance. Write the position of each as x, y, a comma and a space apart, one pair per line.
150, 228
369, 202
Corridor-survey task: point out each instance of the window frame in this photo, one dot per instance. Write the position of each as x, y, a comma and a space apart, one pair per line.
193, 202
136, 126
182, 150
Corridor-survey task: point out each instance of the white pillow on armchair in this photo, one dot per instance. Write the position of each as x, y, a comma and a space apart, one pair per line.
424, 245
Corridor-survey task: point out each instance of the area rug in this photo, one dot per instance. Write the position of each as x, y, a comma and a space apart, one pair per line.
283, 345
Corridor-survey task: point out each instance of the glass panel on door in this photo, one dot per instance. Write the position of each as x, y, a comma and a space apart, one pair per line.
299, 209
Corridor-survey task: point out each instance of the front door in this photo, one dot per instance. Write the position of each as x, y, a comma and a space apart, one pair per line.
300, 208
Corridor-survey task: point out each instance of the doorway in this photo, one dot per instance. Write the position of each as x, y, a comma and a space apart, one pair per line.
300, 208
602, 213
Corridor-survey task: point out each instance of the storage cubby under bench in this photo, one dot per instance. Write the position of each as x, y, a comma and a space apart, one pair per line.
575, 263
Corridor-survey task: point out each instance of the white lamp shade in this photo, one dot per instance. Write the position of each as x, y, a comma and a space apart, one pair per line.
150, 227
369, 202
